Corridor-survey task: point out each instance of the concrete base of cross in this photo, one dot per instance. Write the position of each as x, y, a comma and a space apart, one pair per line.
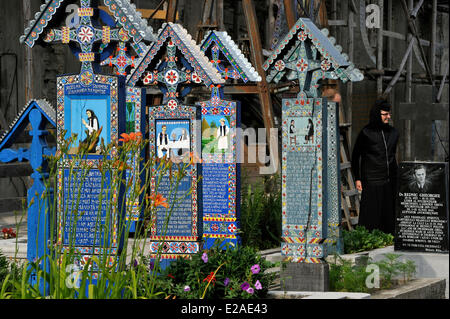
305, 277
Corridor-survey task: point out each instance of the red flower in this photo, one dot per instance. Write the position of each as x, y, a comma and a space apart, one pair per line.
211, 278
170, 276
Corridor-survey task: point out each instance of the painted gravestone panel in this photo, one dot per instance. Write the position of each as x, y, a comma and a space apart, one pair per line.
422, 207
220, 170
173, 136
135, 123
304, 168
87, 202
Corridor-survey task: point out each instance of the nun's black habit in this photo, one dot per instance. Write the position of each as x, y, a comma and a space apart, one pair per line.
374, 164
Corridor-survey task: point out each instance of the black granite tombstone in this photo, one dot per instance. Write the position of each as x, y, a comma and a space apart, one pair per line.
422, 207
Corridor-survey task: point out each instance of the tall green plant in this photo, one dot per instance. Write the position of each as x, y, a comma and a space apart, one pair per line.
60, 269
261, 214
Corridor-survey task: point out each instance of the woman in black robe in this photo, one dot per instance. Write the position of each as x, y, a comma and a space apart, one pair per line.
375, 168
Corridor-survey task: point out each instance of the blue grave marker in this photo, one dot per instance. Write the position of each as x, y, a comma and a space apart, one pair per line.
37, 113
88, 200
174, 62
220, 141
135, 123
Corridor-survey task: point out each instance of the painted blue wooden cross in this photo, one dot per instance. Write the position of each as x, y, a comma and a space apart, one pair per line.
37, 114
220, 119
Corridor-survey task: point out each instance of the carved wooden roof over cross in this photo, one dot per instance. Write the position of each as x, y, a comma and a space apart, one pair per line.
123, 11
236, 65
182, 62
308, 54
19, 123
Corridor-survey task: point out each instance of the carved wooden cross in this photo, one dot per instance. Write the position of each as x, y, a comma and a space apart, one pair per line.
169, 76
86, 35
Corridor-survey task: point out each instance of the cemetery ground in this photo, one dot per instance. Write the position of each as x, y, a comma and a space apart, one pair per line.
222, 271
249, 272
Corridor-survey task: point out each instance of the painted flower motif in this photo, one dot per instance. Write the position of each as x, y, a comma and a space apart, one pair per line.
258, 285
255, 269
205, 257
245, 286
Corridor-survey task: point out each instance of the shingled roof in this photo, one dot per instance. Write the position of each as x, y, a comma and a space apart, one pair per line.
20, 121
37, 25
233, 54
191, 51
343, 69
123, 11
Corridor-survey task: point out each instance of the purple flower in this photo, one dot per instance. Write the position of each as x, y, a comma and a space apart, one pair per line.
245, 286
255, 269
250, 290
205, 257
152, 265
135, 263
258, 285
187, 288
226, 281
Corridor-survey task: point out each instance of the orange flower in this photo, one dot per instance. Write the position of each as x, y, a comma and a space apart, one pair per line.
132, 137
158, 200
125, 137
120, 165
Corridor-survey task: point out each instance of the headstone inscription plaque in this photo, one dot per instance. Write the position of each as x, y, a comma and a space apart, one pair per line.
422, 207
175, 229
89, 198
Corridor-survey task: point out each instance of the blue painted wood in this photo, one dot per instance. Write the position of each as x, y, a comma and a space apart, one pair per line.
220, 171
39, 214
9, 155
38, 197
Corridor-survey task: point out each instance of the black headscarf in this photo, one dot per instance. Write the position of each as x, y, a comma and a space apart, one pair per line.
375, 114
